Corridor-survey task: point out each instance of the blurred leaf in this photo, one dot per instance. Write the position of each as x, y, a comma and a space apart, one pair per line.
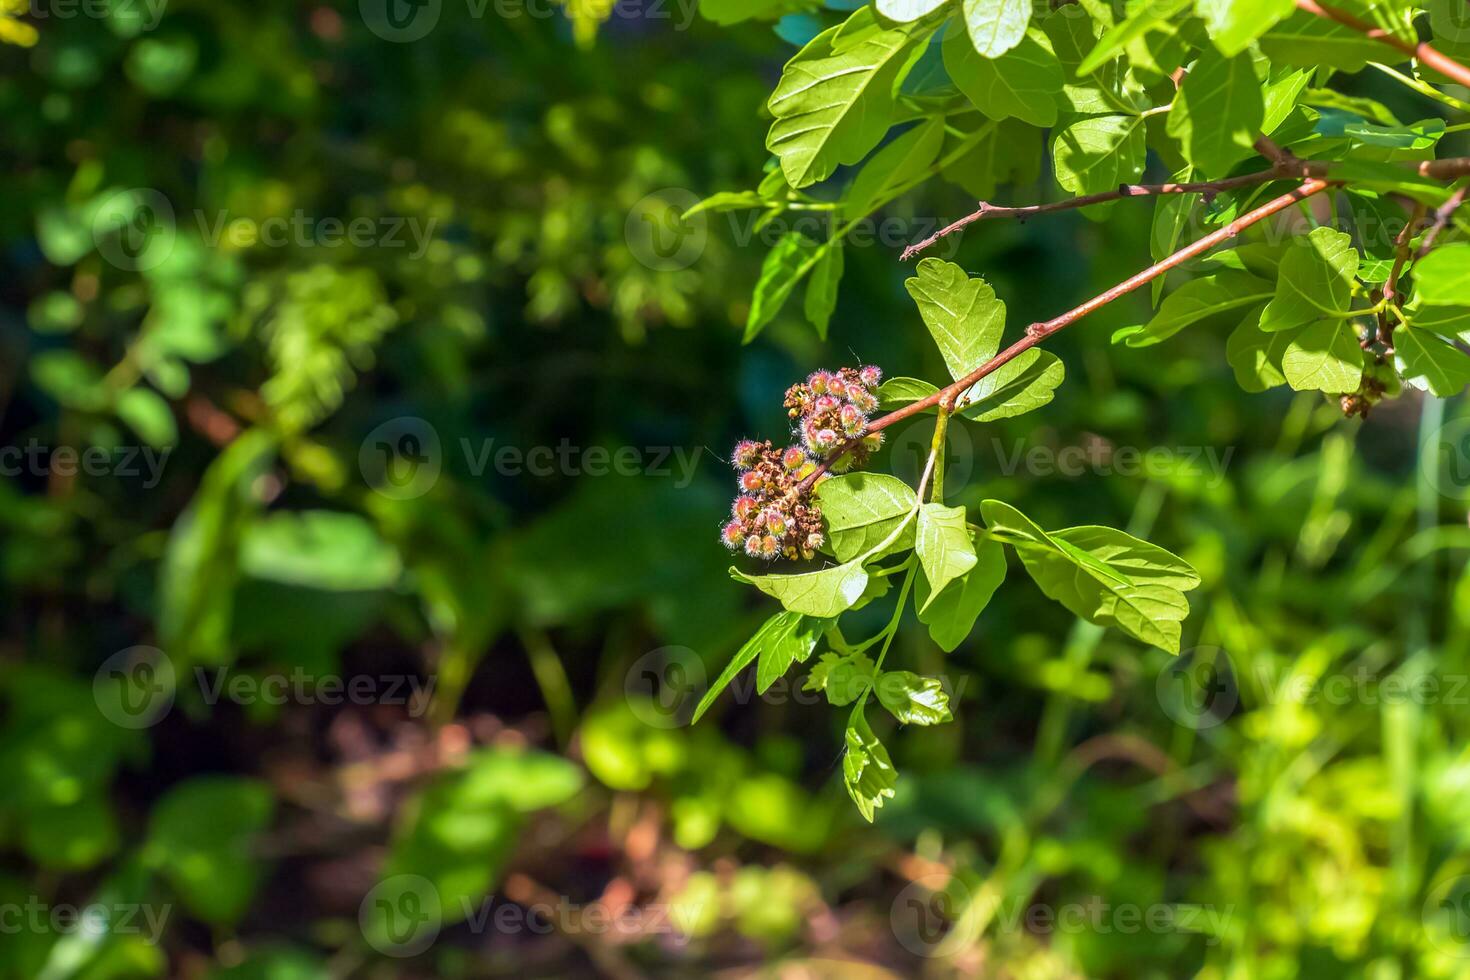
319, 549
201, 838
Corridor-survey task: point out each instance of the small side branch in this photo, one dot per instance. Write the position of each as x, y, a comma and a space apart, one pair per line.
1425, 54
1441, 220
1038, 332
1285, 166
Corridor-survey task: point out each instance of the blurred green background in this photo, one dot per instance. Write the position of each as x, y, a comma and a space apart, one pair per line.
365, 407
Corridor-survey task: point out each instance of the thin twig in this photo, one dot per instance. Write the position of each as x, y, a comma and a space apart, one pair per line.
1426, 54
1441, 220
988, 210
1038, 332
1401, 253
1391, 286
1286, 166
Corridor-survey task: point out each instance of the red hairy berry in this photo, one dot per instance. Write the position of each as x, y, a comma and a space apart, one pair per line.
733, 535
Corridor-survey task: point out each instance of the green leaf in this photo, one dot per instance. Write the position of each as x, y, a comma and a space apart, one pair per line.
951, 614
1324, 357
823, 594
903, 11
833, 106
867, 771
843, 678
861, 510
1255, 355
1428, 363
1021, 83
463, 828
963, 314
1281, 94
726, 12
1217, 113
784, 266
201, 837
147, 414
71, 836
1144, 18
1200, 299
1010, 154
1097, 153
902, 391
897, 164
1173, 213
1015, 388
942, 542
821, 289
1101, 574
912, 698
779, 628
1234, 24
1442, 278
995, 26
727, 201
1308, 41
1447, 321
319, 549
792, 640
1316, 279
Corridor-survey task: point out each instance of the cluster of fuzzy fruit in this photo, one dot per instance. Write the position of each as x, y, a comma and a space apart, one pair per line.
831, 407
774, 516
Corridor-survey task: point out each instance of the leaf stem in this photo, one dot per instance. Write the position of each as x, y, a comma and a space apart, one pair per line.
1423, 88
936, 450
889, 632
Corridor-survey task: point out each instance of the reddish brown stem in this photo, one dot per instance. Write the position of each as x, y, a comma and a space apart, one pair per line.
1285, 166
1391, 286
1442, 216
988, 210
1426, 54
1038, 332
